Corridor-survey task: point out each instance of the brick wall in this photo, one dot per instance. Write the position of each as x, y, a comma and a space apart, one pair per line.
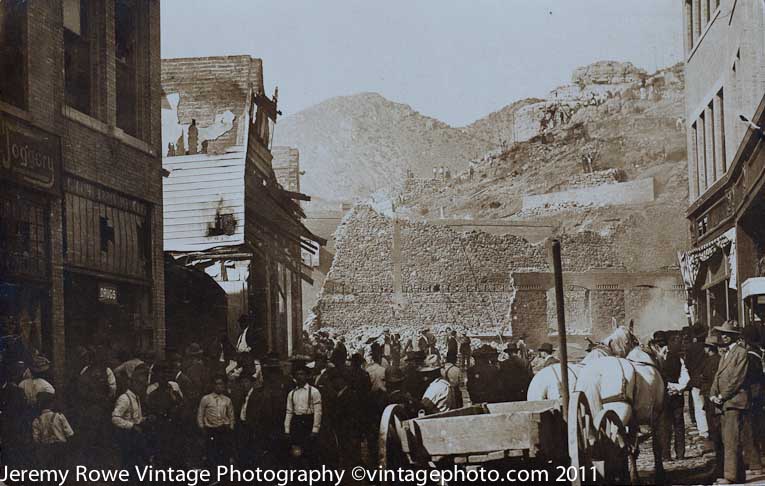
93, 148
210, 86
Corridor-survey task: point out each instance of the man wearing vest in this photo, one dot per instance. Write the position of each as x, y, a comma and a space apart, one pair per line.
729, 395
302, 420
676, 378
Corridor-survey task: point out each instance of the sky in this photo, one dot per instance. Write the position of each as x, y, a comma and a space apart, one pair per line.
453, 60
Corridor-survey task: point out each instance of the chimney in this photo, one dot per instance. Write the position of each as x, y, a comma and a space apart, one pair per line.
193, 137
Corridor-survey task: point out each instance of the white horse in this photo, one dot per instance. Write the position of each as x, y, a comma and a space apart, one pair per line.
547, 384
634, 389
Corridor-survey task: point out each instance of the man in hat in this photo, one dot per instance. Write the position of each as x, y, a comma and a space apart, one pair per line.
728, 393
246, 341
302, 420
514, 375
196, 369
165, 404
708, 372
128, 420
394, 380
439, 396
545, 357
38, 382
465, 352
753, 430
483, 377
422, 341
375, 369
676, 378
452, 347
262, 416
415, 383
695, 358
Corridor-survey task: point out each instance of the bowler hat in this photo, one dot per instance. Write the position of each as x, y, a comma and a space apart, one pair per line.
40, 364
432, 363
728, 327
660, 338
546, 347
711, 342
394, 375
194, 349
485, 351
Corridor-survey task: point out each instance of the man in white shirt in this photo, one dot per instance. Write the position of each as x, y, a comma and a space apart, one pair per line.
37, 383
246, 341
216, 419
302, 421
438, 397
376, 370
128, 418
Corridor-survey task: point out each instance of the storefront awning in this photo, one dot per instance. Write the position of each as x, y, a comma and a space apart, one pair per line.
691, 261
753, 286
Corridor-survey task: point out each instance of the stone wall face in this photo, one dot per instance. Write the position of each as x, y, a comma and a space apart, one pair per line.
431, 275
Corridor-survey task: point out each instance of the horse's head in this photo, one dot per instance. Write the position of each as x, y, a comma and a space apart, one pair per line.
622, 341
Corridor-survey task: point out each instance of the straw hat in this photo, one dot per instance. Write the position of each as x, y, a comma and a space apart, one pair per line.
728, 327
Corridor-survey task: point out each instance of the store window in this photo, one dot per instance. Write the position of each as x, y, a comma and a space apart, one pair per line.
13, 52
77, 59
720, 302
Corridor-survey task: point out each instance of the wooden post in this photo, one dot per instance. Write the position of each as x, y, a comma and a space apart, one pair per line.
558, 274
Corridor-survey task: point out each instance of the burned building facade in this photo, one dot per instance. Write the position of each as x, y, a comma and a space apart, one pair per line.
81, 206
227, 212
725, 101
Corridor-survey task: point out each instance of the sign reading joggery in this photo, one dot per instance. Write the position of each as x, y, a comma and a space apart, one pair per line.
28, 155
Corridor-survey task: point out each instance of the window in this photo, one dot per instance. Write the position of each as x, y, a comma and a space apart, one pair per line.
13, 52
77, 72
125, 29
720, 118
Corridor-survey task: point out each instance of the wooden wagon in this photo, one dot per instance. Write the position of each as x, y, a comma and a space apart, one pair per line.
581, 448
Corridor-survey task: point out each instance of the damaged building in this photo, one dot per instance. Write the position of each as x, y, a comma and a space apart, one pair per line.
488, 280
80, 165
227, 212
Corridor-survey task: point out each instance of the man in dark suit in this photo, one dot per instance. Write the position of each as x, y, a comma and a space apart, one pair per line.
514, 375
729, 394
451, 346
483, 383
247, 341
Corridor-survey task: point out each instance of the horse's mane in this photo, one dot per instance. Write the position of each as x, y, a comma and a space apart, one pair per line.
644, 354
619, 342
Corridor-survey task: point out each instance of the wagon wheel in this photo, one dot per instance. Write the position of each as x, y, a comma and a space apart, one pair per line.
581, 434
391, 453
612, 448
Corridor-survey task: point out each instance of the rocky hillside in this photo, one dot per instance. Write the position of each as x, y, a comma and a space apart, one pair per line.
614, 123
352, 146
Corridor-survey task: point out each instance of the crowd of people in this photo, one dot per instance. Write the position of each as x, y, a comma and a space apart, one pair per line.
720, 371
199, 409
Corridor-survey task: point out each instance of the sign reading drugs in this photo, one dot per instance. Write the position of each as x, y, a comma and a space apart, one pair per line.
28, 155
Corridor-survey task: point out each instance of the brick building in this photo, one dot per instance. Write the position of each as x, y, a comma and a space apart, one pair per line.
81, 214
725, 88
231, 210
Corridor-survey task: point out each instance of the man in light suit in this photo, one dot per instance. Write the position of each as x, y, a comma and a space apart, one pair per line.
728, 393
